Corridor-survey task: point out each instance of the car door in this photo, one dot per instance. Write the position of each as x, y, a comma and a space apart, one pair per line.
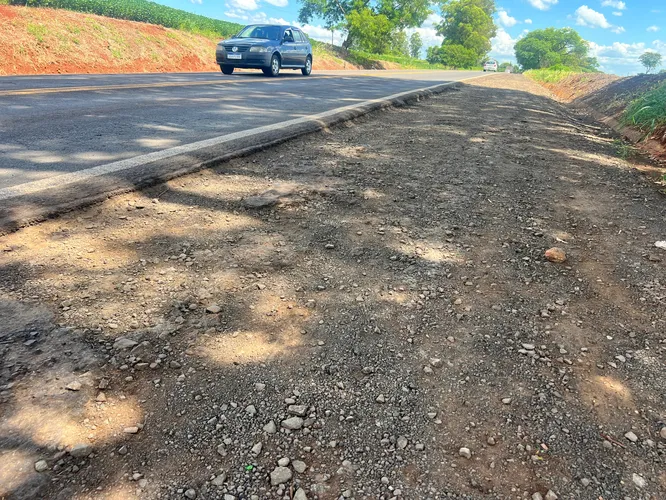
288, 49
302, 47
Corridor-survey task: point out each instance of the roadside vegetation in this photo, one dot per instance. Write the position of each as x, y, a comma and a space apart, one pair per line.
648, 112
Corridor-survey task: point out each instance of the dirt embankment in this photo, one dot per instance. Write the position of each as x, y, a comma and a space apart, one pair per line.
49, 41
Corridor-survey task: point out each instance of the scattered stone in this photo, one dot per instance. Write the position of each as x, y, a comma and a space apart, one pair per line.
662, 433
293, 423
402, 442
550, 495
638, 480
219, 480
175, 365
436, 362
491, 441
298, 410
190, 493
74, 386
585, 482
81, 450
506, 401
283, 462
299, 466
256, 449
556, 254
528, 347
631, 436
131, 430
300, 494
537, 496
329, 246
124, 343
259, 387
270, 428
251, 410
101, 397
465, 452
41, 466
213, 309
122, 450
660, 244
280, 475
381, 399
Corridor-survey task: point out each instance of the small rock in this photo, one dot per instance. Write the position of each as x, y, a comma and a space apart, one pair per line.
491, 441
631, 436
122, 450
299, 466
638, 480
280, 475
585, 482
436, 362
299, 410
41, 466
101, 397
662, 433
556, 254
381, 399
175, 365
329, 246
402, 442
256, 449
283, 462
219, 479
300, 494
81, 450
213, 309
550, 495
124, 343
73, 386
528, 347
464, 452
270, 427
506, 401
660, 244
292, 423
259, 387
191, 493
131, 430
537, 496
251, 410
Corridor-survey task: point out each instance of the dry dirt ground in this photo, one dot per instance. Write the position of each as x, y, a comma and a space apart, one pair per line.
390, 309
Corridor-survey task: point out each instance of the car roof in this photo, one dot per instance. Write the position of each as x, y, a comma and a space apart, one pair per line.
275, 26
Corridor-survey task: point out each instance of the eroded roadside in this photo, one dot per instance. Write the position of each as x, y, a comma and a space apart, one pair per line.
389, 306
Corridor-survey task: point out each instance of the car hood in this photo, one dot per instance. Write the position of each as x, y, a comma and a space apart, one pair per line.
251, 41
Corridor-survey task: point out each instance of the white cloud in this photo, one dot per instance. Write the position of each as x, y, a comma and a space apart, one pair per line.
653, 29
197, 2
243, 4
591, 18
278, 3
527, 21
322, 34
503, 43
618, 30
236, 14
659, 46
616, 4
428, 32
620, 58
542, 4
505, 19
618, 14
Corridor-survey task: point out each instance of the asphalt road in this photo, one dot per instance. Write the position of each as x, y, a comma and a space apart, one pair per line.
53, 125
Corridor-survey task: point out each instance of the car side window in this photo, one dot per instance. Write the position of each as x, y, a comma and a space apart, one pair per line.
288, 36
298, 36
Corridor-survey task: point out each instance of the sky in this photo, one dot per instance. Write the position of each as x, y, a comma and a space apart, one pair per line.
619, 31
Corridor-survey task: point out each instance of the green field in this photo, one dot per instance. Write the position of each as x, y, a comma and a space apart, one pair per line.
648, 112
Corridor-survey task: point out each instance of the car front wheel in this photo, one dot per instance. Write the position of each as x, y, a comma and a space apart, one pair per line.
227, 70
307, 69
274, 68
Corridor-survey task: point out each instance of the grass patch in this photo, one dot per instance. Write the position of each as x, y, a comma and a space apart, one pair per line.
648, 112
39, 31
548, 76
366, 59
623, 149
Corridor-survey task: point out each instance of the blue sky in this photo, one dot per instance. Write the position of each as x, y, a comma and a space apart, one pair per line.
619, 31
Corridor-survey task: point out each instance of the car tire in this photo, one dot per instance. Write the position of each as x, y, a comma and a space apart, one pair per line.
274, 69
227, 70
307, 69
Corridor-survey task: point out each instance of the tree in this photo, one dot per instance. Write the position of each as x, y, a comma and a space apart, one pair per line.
550, 47
651, 60
415, 45
364, 20
400, 44
467, 27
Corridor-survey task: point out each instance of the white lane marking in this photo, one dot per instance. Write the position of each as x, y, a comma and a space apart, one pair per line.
118, 166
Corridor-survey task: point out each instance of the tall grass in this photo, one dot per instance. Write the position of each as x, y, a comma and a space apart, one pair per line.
648, 112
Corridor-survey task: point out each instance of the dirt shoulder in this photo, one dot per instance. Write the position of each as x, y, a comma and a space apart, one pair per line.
383, 304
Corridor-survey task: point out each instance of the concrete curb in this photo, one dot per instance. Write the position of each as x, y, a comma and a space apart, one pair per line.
27, 204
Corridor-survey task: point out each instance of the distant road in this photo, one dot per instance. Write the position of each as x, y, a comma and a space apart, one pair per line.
52, 125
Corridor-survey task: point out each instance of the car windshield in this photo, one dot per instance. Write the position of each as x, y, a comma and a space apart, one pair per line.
265, 32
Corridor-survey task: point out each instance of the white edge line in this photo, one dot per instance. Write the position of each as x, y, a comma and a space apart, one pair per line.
117, 166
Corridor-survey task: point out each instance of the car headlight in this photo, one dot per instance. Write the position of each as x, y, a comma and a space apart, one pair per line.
258, 49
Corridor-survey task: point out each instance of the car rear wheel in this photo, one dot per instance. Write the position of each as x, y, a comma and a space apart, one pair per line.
227, 70
307, 69
274, 68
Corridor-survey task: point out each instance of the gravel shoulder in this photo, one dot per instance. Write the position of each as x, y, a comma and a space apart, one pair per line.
361, 313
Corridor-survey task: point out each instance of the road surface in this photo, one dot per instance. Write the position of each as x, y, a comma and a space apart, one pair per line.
52, 125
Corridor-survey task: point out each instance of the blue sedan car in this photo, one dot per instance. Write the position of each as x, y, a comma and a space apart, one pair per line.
266, 47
